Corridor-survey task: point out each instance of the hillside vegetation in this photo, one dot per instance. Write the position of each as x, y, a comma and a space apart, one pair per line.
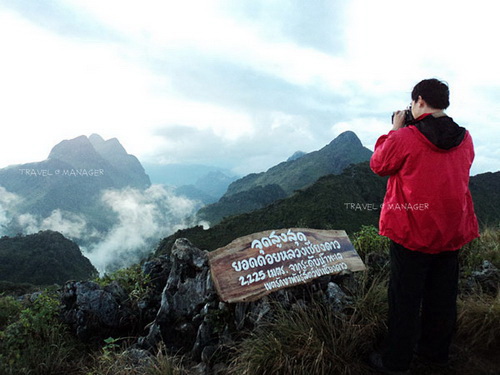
43, 258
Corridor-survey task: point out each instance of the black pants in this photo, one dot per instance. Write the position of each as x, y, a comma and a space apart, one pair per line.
422, 305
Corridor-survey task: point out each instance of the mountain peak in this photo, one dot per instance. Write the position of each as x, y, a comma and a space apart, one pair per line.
73, 149
94, 152
107, 148
347, 137
96, 139
296, 155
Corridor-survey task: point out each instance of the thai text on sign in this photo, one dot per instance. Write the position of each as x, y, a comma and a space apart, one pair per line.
253, 266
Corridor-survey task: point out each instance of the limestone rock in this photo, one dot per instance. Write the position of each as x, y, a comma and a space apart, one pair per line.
94, 311
180, 322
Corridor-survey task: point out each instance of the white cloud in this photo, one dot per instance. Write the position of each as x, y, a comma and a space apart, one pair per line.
144, 217
71, 225
8, 204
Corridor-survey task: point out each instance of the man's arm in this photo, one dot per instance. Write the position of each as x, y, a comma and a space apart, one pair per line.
389, 154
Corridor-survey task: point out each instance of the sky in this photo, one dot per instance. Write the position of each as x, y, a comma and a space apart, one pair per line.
238, 84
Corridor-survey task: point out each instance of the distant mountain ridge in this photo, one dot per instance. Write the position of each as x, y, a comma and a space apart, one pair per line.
241, 202
296, 155
73, 176
207, 188
198, 182
177, 174
323, 205
298, 172
303, 171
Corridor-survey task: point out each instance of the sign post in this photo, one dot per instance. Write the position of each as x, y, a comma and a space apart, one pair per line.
253, 266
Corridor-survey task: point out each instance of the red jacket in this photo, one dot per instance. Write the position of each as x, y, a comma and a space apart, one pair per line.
428, 205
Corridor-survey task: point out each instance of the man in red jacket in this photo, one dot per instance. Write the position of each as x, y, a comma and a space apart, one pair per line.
428, 214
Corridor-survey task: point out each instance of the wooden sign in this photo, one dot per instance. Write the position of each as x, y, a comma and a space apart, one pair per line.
253, 266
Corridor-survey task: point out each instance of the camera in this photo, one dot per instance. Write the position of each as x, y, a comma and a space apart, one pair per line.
408, 117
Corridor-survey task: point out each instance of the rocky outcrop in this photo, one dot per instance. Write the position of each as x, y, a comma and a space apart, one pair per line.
186, 302
96, 312
191, 319
182, 307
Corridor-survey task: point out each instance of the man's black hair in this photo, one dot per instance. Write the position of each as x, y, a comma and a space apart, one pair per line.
435, 92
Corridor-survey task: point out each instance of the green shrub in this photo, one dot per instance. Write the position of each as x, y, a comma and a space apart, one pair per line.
10, 309
132, 279
486, 247
367, 240
36, 342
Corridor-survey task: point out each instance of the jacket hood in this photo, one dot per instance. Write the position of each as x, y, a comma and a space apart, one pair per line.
441, 131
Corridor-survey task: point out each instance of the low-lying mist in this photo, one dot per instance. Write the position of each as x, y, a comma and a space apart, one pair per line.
144, 217
141, 219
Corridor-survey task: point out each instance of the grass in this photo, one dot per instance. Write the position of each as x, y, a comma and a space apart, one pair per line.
486, 247
121, 360
316, 339
479, 321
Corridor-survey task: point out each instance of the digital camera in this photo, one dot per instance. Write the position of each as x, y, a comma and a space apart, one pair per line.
408, 117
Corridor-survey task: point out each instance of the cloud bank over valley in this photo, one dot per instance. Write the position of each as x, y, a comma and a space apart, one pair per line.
141, 219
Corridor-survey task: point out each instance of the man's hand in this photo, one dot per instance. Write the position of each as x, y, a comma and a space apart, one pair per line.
399, 120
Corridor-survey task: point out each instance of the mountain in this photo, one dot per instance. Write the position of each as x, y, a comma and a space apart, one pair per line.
241, 202
182, 174
296, 155
193, 193
202, 183
298, 172
42, 259
485, 190
73, 177
108, 157
214, 183
208, 188
128, 171
346, 201
302, 172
